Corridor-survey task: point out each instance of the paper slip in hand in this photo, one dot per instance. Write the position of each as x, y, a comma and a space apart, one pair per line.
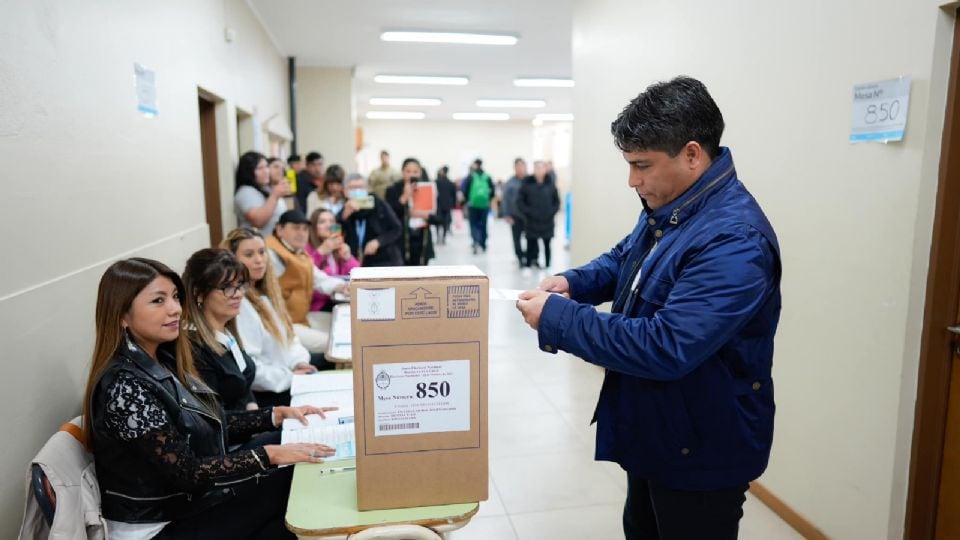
505, 294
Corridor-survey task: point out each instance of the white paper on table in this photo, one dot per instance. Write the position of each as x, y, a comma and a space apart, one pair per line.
337, 435
321, 382
343, 399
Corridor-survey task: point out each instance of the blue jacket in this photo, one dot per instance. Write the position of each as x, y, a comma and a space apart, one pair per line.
687, 400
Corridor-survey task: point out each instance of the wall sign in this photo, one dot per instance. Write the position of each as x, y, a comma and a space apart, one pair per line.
146, 90
880, 110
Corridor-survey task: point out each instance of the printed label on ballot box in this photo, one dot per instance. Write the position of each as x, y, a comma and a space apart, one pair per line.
421, 397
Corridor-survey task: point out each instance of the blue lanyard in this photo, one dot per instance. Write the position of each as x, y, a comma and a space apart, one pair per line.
361, 225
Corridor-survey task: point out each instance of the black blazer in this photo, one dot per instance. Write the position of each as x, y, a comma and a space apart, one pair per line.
223, 376
382, 225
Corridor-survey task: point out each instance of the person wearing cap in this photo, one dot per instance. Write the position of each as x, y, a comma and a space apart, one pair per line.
299, 278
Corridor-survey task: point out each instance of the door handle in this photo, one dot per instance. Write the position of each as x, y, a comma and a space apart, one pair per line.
955, 330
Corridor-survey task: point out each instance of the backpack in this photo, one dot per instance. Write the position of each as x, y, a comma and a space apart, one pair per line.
479, 196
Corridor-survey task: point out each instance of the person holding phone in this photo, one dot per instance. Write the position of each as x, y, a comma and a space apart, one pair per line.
329, 252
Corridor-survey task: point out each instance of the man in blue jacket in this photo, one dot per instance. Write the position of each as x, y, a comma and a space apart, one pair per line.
687, 404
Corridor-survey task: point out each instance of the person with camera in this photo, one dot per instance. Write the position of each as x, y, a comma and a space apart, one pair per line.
329, 252
370, 227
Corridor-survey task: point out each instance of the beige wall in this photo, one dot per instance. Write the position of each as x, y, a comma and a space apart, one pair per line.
854, 221
90, 180
452, 143
325, 120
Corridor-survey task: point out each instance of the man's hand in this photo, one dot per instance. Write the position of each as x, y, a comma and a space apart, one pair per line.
530, 306
555, 284
372, 247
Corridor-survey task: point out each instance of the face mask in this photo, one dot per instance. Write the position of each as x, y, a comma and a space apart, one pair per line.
357, 194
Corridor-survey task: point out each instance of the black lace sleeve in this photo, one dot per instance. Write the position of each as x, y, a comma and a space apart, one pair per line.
242, 424
135, 416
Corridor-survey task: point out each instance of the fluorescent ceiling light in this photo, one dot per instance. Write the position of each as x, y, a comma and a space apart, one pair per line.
395, 115
518, 103
481, 116
462, 38
420, 79
543, 83
555, 117
403, 102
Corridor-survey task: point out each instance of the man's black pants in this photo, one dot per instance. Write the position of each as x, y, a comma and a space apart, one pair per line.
533, 249
655, 512
517, 229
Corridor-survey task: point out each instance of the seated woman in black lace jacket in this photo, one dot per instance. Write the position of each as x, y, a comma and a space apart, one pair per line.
158, 433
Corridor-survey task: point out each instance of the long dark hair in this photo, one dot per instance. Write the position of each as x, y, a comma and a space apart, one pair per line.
119, 285
207, 270
246, 172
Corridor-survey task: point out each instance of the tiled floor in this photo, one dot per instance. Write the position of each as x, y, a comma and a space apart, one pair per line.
544, 483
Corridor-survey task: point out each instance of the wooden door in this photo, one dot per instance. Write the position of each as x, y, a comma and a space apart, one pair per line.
211, 172
933, 502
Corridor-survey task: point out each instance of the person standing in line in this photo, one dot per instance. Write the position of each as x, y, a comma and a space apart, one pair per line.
511, 213
328, 195
382, 177
294, 166
446, 200
687, 406
308, 179
539, 203
370, 227
257, 203
478, 191
416, 240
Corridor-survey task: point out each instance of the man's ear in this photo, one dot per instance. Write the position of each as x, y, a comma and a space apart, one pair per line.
693, 154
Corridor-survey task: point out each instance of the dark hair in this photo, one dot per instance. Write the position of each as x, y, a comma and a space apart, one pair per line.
120, 284
668, 115
410, 160
443, 171
246, 175
335, 173
519, 160
313, 156
384, 153
272, 160
207, 270
292, 158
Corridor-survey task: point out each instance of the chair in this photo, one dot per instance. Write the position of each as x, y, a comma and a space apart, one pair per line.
62, 495
43, 492
396, 532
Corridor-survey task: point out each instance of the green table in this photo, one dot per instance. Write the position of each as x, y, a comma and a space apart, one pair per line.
325, 506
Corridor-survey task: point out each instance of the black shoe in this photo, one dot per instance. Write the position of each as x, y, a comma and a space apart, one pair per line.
474, 249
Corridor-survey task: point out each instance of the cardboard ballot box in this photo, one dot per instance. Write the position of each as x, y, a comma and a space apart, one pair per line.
420, 385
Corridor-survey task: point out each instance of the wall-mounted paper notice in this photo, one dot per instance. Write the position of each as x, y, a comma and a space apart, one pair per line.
376, 304
146, 90
880, 110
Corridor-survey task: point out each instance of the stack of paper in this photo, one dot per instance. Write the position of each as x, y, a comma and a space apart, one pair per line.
325, 389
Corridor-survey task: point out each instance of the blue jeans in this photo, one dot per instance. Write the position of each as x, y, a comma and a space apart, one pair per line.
478, 225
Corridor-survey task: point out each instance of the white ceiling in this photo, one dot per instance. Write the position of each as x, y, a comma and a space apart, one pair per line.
346, 33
